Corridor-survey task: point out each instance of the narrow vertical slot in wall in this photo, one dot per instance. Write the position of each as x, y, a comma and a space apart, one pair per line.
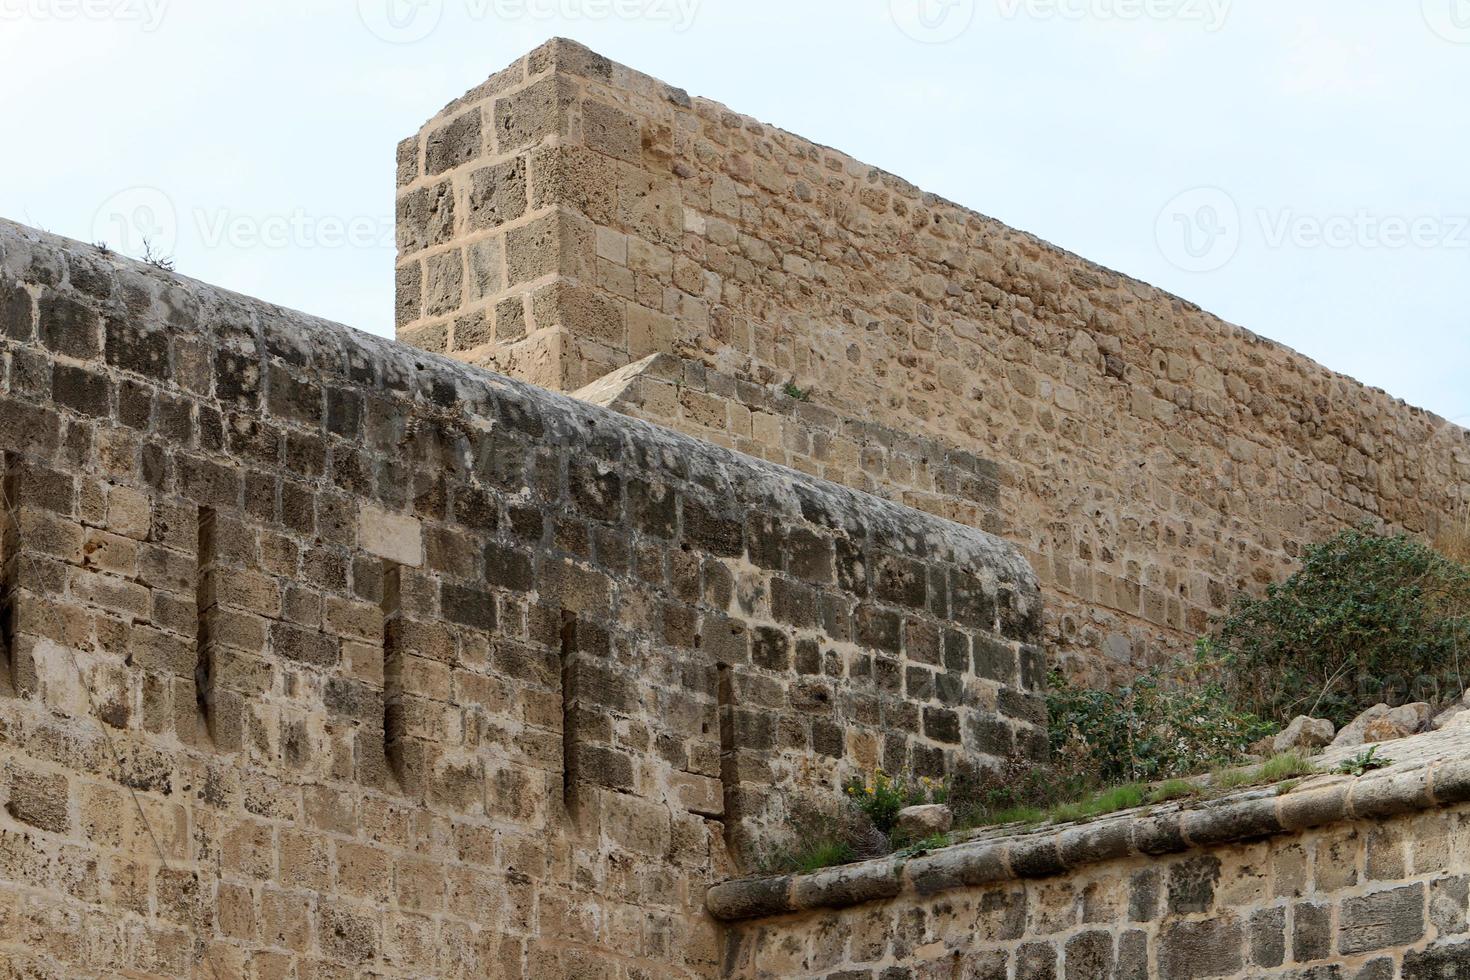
206, 605
9, 562
394, 721
729, 774
568, 721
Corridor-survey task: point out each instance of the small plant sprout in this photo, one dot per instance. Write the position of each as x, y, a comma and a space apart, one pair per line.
1364, 762
796, 393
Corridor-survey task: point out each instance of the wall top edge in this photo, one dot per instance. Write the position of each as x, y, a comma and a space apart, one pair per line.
323, 350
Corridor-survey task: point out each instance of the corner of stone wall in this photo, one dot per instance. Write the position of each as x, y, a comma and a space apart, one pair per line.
506, 207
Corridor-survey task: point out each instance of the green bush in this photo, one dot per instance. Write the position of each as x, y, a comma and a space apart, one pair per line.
881, 798
1149, 730
1367, 619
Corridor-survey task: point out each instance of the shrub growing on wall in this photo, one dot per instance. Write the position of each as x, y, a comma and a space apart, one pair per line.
1367, 619
1151, 729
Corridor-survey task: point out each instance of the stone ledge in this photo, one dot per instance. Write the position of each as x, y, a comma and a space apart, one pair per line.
1169, 829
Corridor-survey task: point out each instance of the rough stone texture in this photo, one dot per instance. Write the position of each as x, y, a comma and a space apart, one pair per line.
1381, 723
1367, 882
1304, 734
920, 822
326, 657
1241, 911
1122, 425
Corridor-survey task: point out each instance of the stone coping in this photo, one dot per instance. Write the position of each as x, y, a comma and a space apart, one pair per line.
1152, 832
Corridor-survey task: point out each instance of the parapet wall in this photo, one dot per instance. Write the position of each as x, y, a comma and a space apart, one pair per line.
571, 217
1337, 879
323, 654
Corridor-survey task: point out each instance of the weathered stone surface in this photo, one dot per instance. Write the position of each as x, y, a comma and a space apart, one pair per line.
1381, 920
1381, 723
1304, 734
920, 822
702, 235
409, 663
1210, 948
392, 536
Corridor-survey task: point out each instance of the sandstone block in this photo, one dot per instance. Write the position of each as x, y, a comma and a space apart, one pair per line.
920, 822
395, 537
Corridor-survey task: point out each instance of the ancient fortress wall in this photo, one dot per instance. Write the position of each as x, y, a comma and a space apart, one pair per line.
1339, 879
572, 218
326, 657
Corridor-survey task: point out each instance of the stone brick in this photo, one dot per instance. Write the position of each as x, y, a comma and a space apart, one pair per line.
455, 143
1089, 956
533, 113
41, 800
1381, 920
1209, 948
69, 327
395, 537
1311, 932
497, 194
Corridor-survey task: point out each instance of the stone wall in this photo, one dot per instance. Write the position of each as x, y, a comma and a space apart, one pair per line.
572, 217
1337, 879
327, 657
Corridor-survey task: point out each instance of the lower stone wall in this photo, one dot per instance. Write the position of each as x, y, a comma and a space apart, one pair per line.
1379, 897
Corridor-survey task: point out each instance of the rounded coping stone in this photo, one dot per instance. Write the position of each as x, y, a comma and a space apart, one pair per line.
1314, 807
1094, 843
1044, 854
850, 885
1159, 835
1389, 793
750, 898
1035, 857
1450, 781
957, 867
1243, 820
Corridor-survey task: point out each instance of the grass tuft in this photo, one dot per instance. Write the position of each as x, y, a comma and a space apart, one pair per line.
822, 854
1287, 765
1173, 789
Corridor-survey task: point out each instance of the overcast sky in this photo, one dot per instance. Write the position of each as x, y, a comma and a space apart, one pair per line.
1295, 166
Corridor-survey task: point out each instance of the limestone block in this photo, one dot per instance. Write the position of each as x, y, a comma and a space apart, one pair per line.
392, 536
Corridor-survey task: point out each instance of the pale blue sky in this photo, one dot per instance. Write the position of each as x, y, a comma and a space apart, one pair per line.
1295, 166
